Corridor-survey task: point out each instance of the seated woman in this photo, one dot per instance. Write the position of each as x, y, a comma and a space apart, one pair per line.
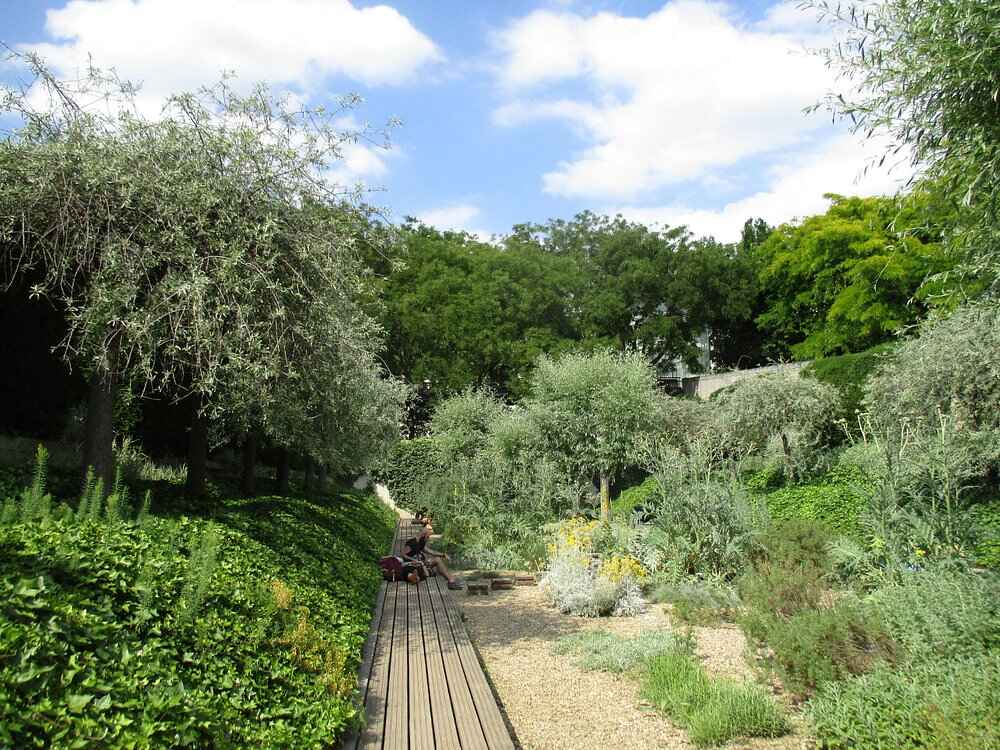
416, 550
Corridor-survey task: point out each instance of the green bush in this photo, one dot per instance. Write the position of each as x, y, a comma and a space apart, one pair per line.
241, 631
777, 590
950, 367
986, 517
698, 602
814, 646
937, 612
948, 704
797, 543
713, 711
601, 651
626, 503
848, 373
409, 464
836, 504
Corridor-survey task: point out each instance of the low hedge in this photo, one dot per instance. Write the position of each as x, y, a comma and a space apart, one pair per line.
633, 497
848, 373
244, 630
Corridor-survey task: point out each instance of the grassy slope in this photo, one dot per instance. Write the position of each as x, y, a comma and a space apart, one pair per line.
99, 644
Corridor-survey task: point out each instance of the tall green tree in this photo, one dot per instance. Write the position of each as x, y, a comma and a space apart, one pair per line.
927, 73
851, 278
460, 312
633, 289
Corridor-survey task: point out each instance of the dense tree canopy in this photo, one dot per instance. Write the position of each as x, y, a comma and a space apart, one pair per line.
848, 279
461, 312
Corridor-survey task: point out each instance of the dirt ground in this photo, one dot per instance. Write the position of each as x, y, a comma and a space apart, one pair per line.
554, 705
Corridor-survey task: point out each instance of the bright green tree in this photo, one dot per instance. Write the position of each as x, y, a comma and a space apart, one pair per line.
851, 278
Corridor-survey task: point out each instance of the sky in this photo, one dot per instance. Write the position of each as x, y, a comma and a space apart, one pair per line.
510, 111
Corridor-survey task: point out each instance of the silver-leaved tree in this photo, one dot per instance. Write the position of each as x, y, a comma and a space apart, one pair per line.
594, 410
202, 253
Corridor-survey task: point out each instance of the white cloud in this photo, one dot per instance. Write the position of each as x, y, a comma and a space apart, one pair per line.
671, 97
795, 190
179, 45
456, 217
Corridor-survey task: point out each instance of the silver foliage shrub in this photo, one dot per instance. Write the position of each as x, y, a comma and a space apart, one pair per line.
573, 588
951, 367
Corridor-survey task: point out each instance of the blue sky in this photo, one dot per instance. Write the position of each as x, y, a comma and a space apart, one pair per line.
681, 112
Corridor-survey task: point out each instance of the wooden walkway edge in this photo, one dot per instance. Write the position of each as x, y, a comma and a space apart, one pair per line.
420, 681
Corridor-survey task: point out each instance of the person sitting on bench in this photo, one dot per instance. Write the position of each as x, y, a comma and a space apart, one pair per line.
416, 550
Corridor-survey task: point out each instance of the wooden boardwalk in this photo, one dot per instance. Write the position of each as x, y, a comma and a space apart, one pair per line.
421, 682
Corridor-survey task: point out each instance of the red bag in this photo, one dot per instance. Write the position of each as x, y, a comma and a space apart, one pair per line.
392, 568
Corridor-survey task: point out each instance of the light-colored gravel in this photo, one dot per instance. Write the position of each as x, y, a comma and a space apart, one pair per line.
554, 705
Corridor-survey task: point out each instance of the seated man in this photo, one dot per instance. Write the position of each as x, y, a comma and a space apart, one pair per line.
416, 550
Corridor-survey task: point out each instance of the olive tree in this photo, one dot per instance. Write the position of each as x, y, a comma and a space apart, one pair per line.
952, 367
187, 251
752, 411
593, 410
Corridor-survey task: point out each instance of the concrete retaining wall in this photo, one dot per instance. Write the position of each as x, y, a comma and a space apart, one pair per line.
709, 384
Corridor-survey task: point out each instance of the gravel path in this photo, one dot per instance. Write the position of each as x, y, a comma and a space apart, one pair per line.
554, 705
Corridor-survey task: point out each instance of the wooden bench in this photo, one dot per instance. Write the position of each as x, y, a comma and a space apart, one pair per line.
420, 680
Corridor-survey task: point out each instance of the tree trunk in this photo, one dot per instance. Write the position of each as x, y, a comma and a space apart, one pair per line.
321, 473
309, 473
284, 470
605, 498
247, 480
789, 464
99, 430
197, 471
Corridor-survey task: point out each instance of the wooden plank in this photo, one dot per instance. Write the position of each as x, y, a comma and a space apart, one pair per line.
378, 683
490, 718
397, 704
442, 713
353, 736
470, 733
421, 730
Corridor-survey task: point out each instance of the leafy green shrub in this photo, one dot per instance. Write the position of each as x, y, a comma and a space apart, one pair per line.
461, 423
713, 711
164, 633
986, 517
698, 602
941, 612
760, 407
836, 504
625, 504
771, 590
601, 651
848, 373
949, 704
814, 646
797, 543
409, 464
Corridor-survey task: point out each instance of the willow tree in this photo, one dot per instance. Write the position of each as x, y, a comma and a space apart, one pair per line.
927, 74
594, 410
175, 245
